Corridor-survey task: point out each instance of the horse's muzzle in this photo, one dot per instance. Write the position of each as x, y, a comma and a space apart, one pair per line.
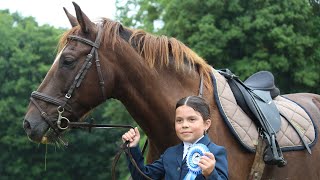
32, 132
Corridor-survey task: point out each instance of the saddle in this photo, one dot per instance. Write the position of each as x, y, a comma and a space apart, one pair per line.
254, 96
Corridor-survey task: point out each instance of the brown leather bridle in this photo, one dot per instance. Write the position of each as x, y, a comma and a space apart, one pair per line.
56, 124
63, 104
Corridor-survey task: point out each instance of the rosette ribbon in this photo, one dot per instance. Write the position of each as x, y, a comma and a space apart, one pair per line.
193, 157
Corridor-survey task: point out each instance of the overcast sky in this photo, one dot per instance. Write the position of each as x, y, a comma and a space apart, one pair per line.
51, 11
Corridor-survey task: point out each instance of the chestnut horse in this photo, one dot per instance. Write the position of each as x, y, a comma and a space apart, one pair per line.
148, 74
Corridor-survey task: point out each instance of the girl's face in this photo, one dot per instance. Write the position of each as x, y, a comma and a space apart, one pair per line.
189, 124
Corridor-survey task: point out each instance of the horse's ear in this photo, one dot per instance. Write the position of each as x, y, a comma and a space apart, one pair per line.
72, 19
121, 28
84, 21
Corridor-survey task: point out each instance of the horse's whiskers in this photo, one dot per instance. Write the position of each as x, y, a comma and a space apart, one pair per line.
65, 144
51, 137
57, 145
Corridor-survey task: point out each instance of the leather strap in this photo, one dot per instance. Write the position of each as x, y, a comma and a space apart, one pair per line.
258, 164
45, 116
47, 98
86, 41
201, 86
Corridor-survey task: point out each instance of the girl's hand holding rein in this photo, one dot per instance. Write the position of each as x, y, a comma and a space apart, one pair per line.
133, 136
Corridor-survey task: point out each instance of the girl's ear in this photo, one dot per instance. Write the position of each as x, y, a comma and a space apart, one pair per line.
207, 124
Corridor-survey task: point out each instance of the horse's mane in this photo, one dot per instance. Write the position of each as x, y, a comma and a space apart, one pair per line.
154, 49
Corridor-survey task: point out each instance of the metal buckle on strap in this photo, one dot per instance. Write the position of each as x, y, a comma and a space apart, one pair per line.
61, 119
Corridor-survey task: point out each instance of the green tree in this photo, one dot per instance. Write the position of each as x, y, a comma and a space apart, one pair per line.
244, 36
26, 53
23, 60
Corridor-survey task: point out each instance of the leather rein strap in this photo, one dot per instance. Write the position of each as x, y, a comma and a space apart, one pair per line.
123, 148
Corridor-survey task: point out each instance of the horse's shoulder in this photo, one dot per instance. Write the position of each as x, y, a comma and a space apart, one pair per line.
215, 148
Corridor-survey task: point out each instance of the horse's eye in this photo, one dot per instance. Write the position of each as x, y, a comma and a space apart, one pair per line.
68, 62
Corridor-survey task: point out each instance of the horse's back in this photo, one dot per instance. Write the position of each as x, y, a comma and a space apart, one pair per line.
301, 164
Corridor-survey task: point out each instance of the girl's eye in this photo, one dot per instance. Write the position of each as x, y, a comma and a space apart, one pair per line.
192, 119
178, 120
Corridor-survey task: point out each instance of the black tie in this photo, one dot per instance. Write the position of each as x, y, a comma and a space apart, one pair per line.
187, 152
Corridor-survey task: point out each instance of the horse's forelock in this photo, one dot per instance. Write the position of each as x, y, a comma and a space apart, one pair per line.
64, 37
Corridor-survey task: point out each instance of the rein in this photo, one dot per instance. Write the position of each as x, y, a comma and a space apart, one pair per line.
90, 125
123, 148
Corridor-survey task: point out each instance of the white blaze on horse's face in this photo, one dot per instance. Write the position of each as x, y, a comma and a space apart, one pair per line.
33, 123
56, 60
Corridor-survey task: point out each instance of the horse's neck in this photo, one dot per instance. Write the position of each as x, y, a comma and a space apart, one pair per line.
150, 96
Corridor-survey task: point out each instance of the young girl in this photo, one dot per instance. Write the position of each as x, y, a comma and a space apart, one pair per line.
192, 120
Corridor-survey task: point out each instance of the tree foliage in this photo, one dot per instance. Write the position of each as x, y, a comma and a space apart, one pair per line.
244, 36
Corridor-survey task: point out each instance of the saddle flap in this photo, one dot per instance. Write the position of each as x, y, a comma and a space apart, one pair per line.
262, 106
269, 109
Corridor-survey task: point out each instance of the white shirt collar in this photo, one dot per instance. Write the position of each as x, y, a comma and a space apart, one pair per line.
187, 145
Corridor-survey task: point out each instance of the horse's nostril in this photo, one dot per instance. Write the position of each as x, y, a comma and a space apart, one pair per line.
33, 133
26, 124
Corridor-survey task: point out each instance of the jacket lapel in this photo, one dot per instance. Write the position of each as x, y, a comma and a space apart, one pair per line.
179, 153
205, 140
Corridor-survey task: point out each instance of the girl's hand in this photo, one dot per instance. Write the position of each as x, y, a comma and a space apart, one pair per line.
207, 164
133, 136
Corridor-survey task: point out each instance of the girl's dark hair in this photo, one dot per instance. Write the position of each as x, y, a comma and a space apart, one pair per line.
197, 103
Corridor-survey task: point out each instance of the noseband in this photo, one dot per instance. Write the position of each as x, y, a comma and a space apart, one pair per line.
63, 104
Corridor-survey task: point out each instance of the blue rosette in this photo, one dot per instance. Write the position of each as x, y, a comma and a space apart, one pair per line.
193, 157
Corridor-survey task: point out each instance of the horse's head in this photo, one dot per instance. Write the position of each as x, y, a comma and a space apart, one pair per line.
74, 84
